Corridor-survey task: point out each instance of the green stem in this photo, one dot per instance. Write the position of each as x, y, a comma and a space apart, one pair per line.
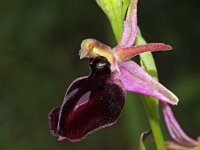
157, 133
151, 105
154, 121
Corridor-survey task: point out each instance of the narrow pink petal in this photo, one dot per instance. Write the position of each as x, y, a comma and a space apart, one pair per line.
135, 79
174, 128
129, 52
130, 26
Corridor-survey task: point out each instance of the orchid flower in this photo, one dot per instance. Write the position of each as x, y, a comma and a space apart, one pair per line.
181, 140
96, 101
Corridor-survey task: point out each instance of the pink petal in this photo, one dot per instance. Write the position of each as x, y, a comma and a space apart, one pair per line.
129, 52
130, 26
174, 128
135, 79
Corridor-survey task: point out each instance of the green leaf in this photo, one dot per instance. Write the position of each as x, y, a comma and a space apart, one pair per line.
125, 6
115, 11
151, 105
142, 146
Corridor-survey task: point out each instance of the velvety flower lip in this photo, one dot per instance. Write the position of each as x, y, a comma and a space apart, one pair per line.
90, 103
181, 140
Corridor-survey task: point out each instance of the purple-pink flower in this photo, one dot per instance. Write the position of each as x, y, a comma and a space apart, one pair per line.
96, 101
181, 140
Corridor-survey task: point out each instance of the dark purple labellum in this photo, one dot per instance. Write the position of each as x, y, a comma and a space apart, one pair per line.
91, 103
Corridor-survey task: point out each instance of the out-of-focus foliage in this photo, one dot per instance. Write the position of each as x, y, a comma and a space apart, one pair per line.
39, 44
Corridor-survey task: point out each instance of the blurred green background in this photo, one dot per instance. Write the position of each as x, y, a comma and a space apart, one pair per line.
39, 44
